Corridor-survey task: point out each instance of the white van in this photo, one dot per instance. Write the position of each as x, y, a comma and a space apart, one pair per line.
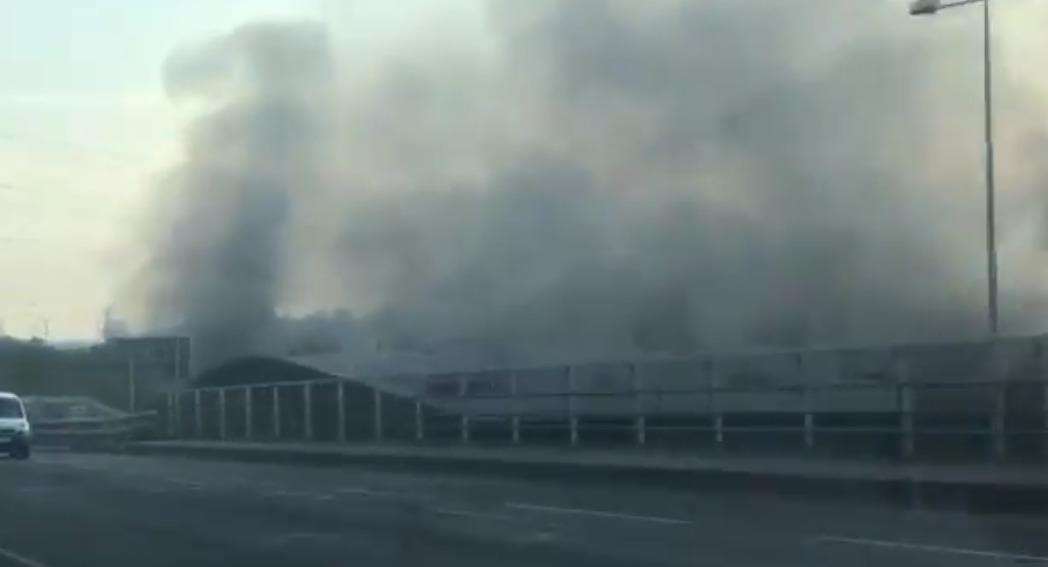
15, 433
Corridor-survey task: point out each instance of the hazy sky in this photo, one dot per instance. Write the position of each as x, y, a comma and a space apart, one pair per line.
86, 127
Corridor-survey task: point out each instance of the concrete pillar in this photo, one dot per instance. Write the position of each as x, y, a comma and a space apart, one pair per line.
420, 432
307, 411
514, 388
378, 415
276, 412
249, 422
906, 406
640, 421
222, 413
340, 420
198, 422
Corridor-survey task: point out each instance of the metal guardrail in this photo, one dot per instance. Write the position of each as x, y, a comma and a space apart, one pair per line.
78, 430
809, 422
72, 419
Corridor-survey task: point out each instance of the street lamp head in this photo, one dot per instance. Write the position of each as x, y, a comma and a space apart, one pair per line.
924, 7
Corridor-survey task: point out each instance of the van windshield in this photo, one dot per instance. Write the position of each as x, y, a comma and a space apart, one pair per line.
10, 408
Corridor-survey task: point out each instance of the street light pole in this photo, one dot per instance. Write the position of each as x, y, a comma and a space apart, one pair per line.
928, 7
991, 232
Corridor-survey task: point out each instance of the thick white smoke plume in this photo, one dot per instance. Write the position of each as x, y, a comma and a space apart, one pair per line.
596, 178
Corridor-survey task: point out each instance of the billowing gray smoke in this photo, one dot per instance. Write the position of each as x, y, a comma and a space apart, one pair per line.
223, 223
601, 179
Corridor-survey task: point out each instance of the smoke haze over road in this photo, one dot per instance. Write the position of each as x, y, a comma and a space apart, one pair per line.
594, 178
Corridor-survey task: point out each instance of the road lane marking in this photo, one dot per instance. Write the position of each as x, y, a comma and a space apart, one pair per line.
36, 489
367, 492
20, 559
295, 537
291, 494
931, 548
598, 514
187, 484
471, 514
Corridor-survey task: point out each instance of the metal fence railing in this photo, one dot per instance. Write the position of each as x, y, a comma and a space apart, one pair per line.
1002, 416
80, 419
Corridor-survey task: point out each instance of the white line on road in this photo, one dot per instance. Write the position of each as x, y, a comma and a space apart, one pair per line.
187, 484
931, 548
366, 492
36, 489
20, 559
469, 514
291, 494
597, 513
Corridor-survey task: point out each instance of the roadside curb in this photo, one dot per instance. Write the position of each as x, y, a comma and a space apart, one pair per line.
923, 493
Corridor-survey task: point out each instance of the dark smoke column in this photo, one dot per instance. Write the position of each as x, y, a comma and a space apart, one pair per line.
219, 254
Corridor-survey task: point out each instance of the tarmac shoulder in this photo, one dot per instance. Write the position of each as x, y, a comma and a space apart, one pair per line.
1012, 486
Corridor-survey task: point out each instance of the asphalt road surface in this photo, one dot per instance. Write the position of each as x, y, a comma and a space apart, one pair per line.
63, 509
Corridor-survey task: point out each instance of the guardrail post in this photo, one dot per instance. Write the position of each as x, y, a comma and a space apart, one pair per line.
221, 413
464, 419
464, 428
420, 432
131, 390
1044, 424
573, 419
999, 375
378, 414
1000, 407
340, 436
1040, 349
905, 397
718, 417
640, 425
276, 412
307, 411
198, 425
809, 416
249, 424
515, 420
171, 414
178, 414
